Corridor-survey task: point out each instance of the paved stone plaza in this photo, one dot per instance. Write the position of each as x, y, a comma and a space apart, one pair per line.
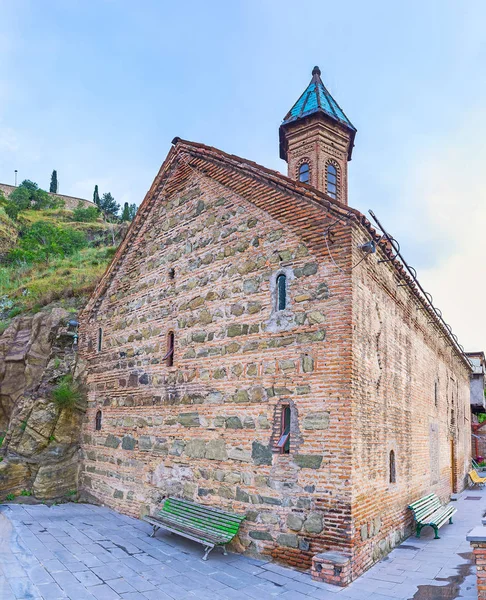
82, 552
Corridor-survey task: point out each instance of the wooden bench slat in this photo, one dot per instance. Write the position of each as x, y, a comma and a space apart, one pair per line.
217, 517
203, 519
189, 504
205, 524
207, 535
429, 511
228, 535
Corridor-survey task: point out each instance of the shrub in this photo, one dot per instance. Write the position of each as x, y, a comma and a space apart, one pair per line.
29, 195
25, 493
10, 497
12, 210
43, 241
86, 215
66, 393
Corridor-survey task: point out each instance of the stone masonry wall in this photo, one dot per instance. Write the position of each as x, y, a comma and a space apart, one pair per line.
70, 202
207, 427
410, 396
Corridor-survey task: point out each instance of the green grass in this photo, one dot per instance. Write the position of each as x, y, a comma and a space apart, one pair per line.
25, 493
66, 393
10, 497
34, 286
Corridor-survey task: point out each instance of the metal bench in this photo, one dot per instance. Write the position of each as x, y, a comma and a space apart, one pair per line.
476, 479
429, 511
209, 526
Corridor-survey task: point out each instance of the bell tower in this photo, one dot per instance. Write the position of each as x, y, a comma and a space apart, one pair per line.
317, 139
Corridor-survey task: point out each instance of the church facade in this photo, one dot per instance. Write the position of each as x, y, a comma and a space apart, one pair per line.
246, 350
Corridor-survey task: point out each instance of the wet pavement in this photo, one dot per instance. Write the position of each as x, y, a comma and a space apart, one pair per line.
85, 552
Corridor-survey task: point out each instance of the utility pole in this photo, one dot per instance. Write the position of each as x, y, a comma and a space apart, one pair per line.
15, 177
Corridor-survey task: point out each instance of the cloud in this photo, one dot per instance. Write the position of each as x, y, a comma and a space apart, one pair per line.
449, 194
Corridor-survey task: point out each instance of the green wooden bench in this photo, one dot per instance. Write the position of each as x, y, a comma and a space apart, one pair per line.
209, 526
429, 511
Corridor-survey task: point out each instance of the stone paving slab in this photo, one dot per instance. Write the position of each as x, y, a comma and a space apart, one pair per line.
85, 552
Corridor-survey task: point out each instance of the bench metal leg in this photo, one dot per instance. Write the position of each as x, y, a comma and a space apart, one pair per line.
207, 550
450, 520
419, 529
154, 531
436, 530
224, 550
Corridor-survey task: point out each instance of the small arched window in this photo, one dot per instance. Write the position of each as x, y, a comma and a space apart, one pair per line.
98, 421
169, 357
304, 172
100, 339
393, 472
331, 180
171, 273
281, 292
283, 443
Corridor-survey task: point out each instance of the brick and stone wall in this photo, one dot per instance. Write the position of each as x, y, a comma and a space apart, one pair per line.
352, 354
207, 428
410, 396
477, 538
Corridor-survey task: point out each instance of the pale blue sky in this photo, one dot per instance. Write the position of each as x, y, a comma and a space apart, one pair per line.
98, 89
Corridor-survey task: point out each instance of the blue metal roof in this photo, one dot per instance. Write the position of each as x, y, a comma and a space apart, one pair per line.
317, 99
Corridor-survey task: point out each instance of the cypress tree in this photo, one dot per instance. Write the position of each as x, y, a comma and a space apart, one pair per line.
54, 185
96, 196
126, 213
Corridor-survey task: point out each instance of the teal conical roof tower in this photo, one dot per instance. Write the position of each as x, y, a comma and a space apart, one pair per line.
316, 98
315, 101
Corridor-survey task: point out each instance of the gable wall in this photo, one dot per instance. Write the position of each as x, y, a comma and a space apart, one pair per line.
398, 356
206, 428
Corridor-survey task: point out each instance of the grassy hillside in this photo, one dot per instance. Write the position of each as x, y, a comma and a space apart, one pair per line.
32, 278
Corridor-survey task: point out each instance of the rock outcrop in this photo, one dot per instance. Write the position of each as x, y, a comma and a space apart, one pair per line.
39, 453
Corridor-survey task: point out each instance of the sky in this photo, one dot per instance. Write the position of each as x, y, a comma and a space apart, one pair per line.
97, 89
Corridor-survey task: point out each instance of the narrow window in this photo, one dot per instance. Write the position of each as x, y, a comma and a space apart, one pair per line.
331, 181
169, 357
98, 421
100, 338
281, 292
393, 473
304, 172
284, 442
171, 273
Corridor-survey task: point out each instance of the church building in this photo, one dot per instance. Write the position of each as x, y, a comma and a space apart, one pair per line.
257, 345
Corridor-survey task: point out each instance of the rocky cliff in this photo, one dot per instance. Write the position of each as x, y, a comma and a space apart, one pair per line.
39, 453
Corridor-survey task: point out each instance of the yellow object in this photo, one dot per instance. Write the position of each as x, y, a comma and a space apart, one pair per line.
476, 479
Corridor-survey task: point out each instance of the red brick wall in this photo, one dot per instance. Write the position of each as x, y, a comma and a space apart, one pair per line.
206, 428
358, 368
398, 357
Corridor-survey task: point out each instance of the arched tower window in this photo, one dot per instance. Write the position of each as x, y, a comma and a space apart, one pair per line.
331, 180
100, 339
98, 421
169, 357
393, 472
281, 292
304, 172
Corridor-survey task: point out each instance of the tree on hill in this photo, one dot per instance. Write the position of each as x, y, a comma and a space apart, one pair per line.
108, 205
29, 195
96, 196
129, 212
54, 185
